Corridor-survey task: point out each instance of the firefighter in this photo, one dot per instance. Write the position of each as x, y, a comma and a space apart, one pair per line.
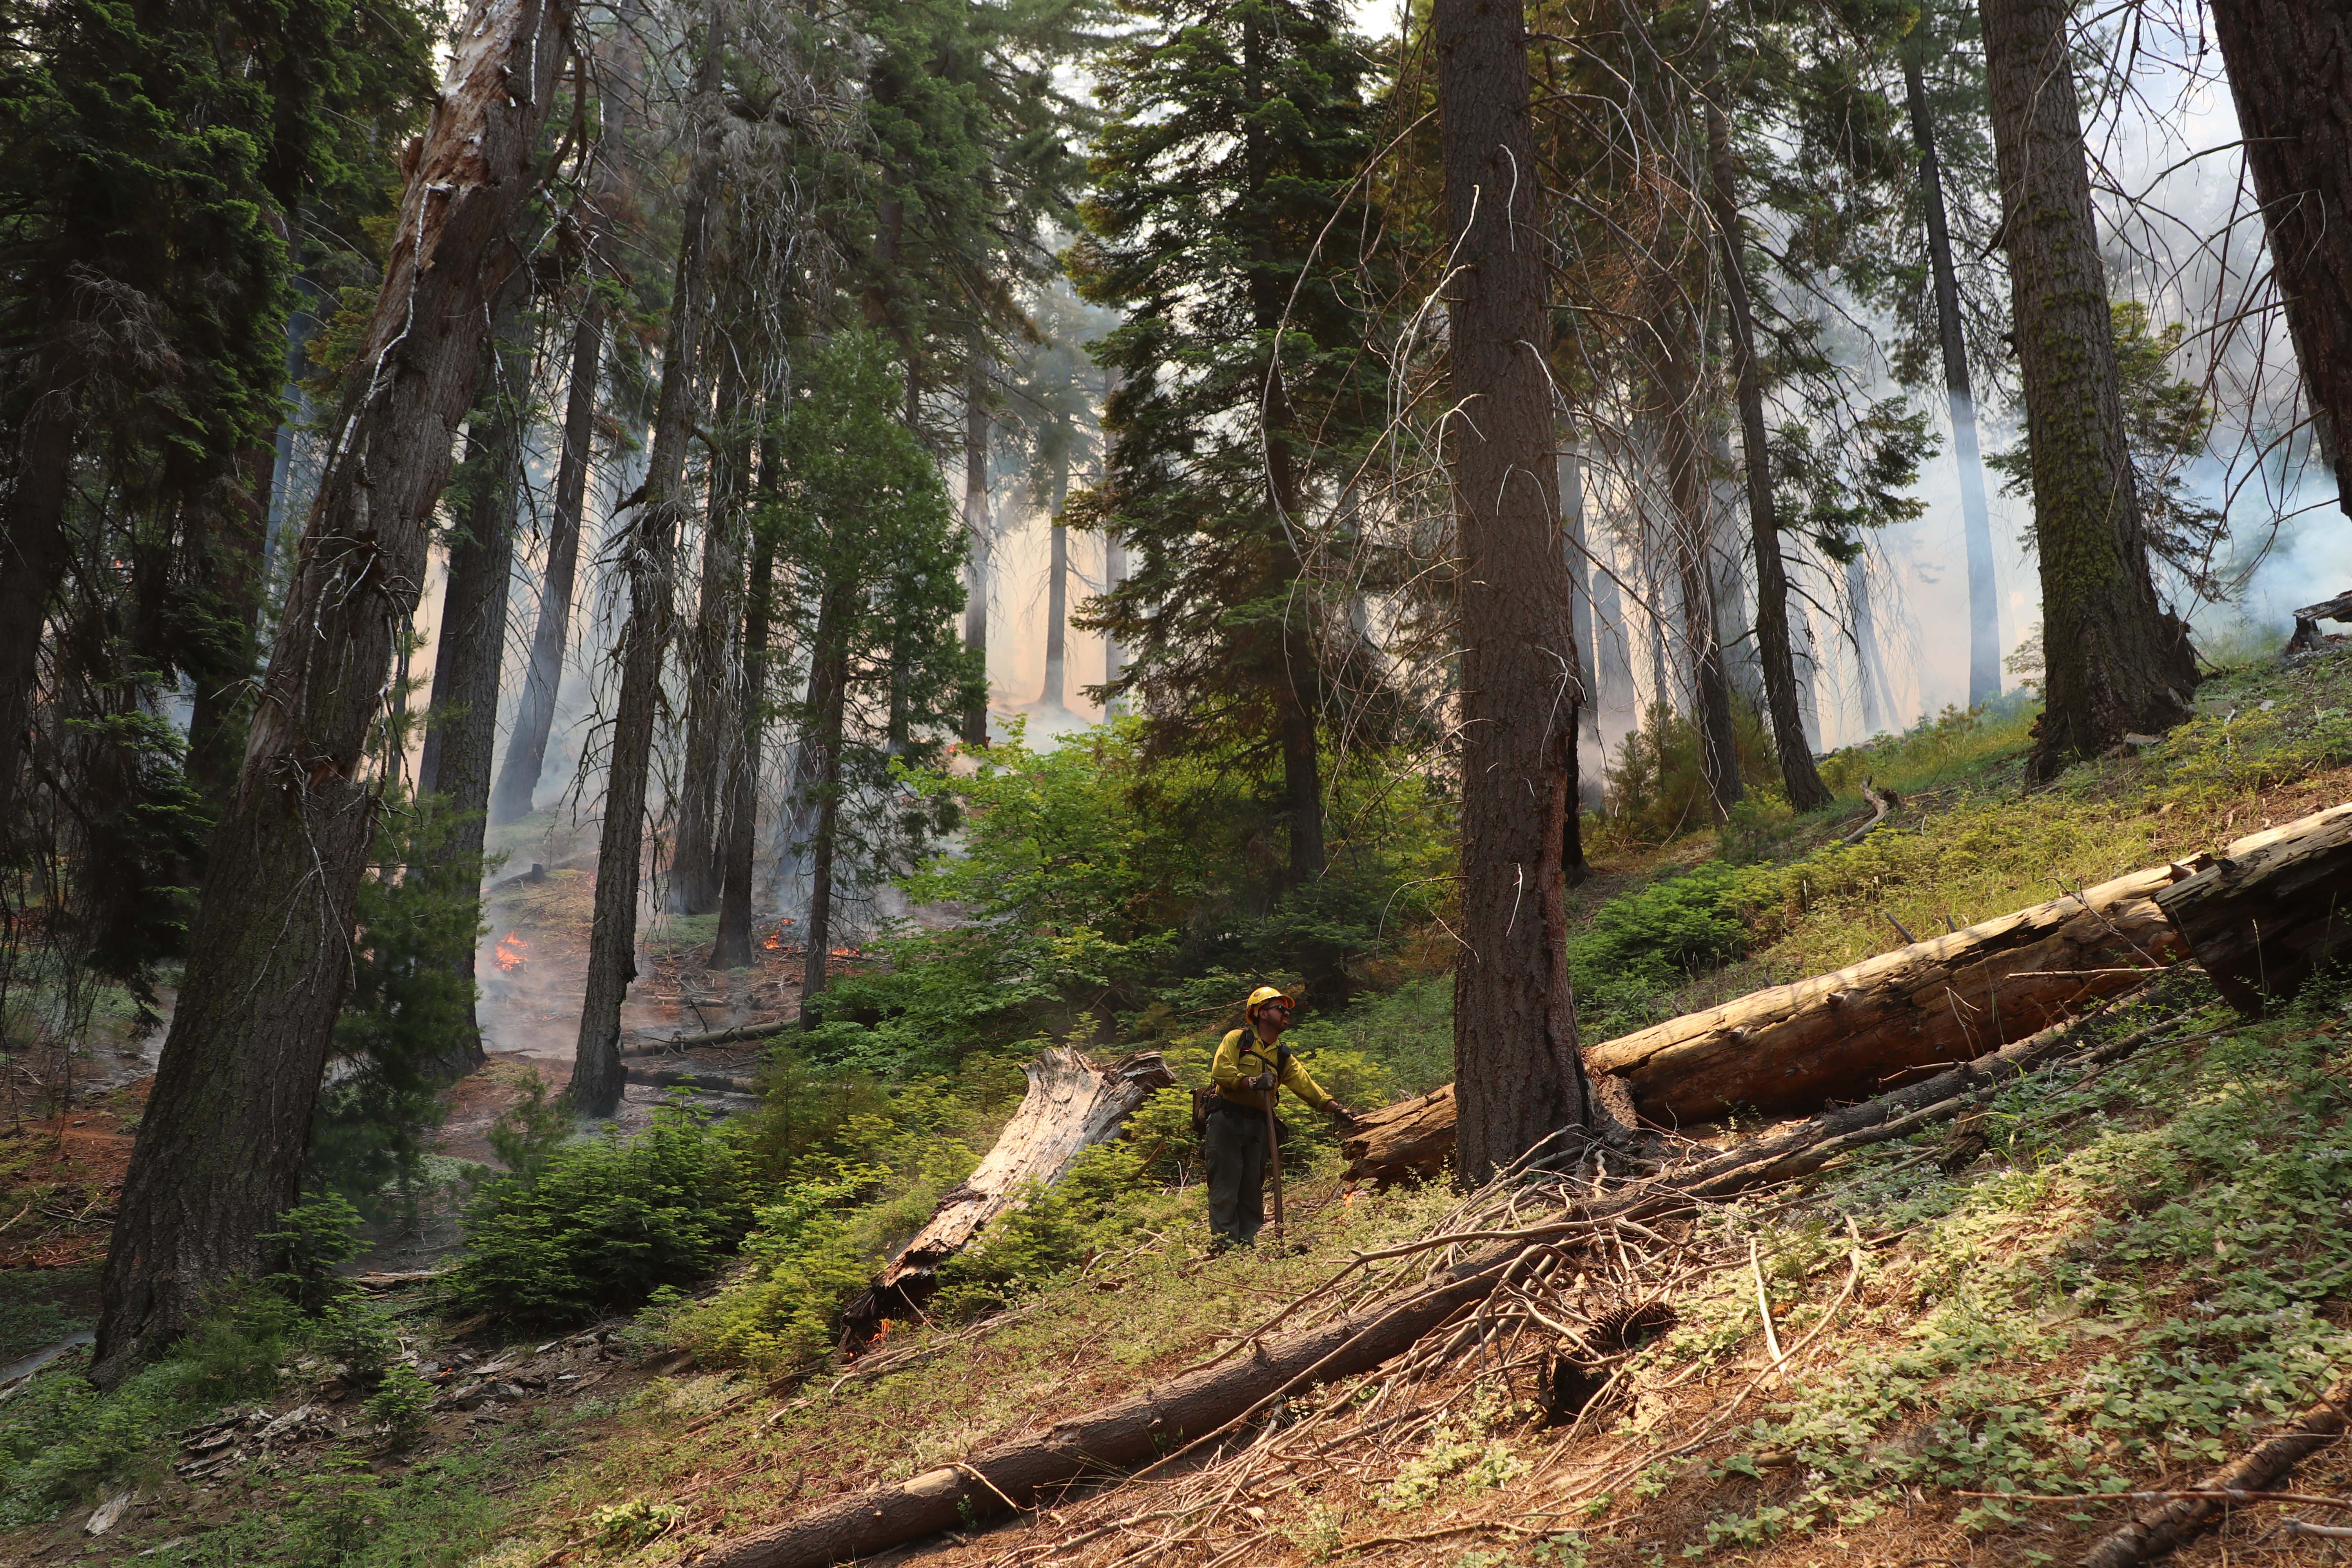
1251, 1068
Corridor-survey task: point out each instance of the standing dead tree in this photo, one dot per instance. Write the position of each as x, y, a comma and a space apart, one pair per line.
220, 1151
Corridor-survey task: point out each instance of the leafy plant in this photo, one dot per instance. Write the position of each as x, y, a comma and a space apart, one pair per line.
401, 1405
603, 1223
314, 1238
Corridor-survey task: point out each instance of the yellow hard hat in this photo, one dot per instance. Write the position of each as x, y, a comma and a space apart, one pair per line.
1261, 997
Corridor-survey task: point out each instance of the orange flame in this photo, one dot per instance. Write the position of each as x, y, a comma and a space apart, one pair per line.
846, 952
511, 951
773, 942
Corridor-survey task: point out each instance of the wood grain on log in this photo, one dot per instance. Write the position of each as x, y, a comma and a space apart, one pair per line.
1851, 1032
1412, 1139
1071, 1106
2274, 907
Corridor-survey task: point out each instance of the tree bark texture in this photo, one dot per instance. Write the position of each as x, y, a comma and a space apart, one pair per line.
1114, 659
543, 677
1072, 1105
828, 705
976, 541
713, 695
1866, 656
649, 553
2115, 661
732, 947
1584, 620
461, 732
1518, 1074
2272, 909
1676, 387
1976, 525
231, 567
2290, 69
1409, 1140
219, 1154
34, 551
1806, 791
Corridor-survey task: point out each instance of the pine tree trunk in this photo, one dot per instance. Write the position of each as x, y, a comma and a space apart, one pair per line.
1806, 791
535, 712
2290, 68
461, 730
828, 702
2115, 661
712, 699
1057, 597
1976, 526
1114, 658
1675, 387
33, 553
975, 534
732, 948
1517, 1070
232, 574
219, 1155
651, 556
1865, 644
1583, 618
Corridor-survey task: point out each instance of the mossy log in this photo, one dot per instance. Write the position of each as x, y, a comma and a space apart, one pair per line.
1072, 1105
2274, 907
1855, 1032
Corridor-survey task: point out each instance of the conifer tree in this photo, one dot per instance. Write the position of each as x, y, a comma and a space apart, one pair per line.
1224, 221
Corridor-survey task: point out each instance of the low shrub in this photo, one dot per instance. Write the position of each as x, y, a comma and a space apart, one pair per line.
400, 1405
603, 1224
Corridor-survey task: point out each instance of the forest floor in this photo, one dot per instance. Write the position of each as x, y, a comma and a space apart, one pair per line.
2108, 1279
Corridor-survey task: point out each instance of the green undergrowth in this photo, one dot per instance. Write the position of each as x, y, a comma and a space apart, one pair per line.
2143, 1266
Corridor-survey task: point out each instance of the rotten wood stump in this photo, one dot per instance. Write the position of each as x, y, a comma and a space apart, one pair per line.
2274, 907
1072, 1105
1411, 1140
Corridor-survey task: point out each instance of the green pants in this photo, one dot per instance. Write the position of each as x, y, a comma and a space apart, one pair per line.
1235, 1147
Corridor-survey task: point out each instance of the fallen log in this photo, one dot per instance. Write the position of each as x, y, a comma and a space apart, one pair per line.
1071, 1106
1412, 1139
738, 1034
2271, 910
1211, 1400
690, 1078
2162, 1531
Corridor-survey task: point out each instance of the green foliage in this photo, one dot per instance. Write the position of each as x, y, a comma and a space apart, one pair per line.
1096, 878
358, 1338
409, 1014
402, 1402
622, 1526
60, 1438
437, 1514
1656, 789
603, 1224
527, 1133
314, 1238
1640, 945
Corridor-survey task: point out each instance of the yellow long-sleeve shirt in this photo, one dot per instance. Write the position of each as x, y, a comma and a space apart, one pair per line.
1241, 1055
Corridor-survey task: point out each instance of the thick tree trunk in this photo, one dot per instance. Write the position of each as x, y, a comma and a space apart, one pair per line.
232, 568
1806, 791
535, 712
828, 704
713, 698
1584, 620
2115, 661
1113, 657
976, 542
1072, 1105
2271, 910
732, 948
1409, 1140
220, 1149
2290, 69
1976, 526
1514, 1046
461, 730
651, 556
34, 553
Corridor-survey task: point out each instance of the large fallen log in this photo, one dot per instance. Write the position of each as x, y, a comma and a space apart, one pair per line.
2272, 909
1211, 1400
1411, 1140
739, 1033
1071, 1106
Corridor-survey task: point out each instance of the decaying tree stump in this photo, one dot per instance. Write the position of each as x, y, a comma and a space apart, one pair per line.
1071, 1106
2274, 907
